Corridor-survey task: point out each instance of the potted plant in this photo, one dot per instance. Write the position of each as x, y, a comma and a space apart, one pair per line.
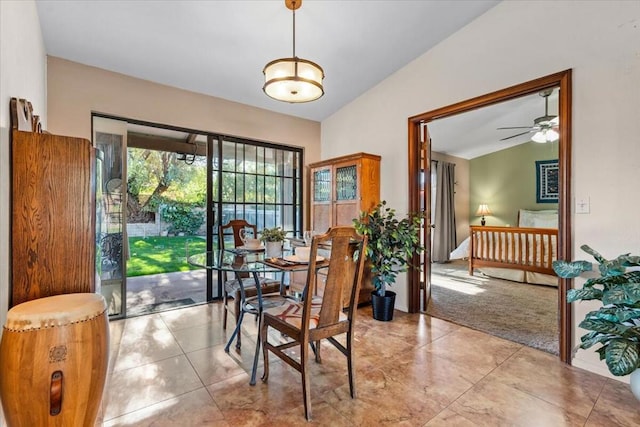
392, 243
273, 239
616, 324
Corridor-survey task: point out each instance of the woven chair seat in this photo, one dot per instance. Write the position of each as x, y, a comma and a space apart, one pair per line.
291, 312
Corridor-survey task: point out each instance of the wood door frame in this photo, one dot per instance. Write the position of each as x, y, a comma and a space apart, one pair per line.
564, 252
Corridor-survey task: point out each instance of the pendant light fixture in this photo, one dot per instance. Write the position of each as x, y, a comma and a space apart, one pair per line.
293, 79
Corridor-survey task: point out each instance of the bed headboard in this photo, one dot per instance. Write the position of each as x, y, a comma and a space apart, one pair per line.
538, 219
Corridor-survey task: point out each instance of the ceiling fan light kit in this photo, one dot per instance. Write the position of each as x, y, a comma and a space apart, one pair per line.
544, 126
293, 79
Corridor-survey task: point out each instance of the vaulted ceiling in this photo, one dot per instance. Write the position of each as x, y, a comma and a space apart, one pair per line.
220, 47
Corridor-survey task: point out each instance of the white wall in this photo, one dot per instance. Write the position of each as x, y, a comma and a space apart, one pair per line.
22, 75
514, 42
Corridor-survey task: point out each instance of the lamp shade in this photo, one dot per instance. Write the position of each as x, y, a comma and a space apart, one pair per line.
293, 80
483, 210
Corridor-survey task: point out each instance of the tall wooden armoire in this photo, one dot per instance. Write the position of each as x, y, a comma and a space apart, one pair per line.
342, 187
52, 210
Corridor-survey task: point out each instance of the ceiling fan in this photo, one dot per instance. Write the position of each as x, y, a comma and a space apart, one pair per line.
545, 127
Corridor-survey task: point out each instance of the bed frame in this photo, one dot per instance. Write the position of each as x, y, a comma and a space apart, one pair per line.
519, 248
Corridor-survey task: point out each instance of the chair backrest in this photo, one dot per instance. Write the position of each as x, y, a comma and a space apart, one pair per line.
345, 271
235, 225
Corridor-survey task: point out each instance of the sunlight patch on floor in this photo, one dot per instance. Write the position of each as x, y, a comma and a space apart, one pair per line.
457, 286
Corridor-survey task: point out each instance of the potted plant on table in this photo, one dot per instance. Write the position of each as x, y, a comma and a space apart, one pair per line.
273, 239
616, 324
392, 243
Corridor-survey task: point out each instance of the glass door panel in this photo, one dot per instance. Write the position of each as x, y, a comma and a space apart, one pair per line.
110, 138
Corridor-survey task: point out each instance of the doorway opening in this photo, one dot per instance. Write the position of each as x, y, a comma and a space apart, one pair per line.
420, 157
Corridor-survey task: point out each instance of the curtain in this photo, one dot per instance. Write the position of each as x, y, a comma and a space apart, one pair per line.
444, 233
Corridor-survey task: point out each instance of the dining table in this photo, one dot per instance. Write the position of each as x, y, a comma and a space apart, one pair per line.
243, 262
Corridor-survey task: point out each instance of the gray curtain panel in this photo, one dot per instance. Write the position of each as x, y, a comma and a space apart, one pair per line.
444, 233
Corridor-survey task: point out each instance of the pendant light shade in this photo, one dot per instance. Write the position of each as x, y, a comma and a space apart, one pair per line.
293, 79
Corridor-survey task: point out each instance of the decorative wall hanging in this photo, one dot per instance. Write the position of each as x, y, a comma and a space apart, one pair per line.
547, 190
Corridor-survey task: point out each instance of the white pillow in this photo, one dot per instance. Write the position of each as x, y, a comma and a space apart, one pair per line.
546, 222
544, 218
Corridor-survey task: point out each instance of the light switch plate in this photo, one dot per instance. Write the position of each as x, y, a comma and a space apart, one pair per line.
583, 205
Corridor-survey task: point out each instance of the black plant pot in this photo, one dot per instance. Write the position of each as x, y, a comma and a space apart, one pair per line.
383, 306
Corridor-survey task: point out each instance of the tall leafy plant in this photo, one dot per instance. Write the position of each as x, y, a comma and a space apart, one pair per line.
392, 243
615, 325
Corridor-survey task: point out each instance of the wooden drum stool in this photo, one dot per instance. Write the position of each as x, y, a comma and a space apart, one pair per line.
53, 361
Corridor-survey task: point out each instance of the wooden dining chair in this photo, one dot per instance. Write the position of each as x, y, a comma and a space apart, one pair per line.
231, 287
318, 317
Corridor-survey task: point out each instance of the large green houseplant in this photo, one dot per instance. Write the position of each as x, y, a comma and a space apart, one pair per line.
616, 324
392, 243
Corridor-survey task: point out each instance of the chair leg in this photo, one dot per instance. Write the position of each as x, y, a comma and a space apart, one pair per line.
225, 301
306, 390
265, 353
318, 358
236, 306
350, 367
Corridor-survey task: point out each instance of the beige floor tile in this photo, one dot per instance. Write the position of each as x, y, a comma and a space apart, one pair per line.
145, 339
440, 379
136, 388
558, 383
185, 318
243, 404
475, 349
213, 364
195, 408
491, 403
616, 406
448, 418
381, 400
199, 337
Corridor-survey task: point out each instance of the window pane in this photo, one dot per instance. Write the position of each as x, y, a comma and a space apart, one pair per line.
270, 161
228, 156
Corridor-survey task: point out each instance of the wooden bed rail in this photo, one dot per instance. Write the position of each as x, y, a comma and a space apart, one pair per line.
528, 249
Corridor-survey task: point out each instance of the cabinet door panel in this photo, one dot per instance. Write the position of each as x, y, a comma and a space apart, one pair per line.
321, 220
346, 213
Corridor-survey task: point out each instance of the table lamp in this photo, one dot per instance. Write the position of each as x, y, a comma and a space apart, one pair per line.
483, 210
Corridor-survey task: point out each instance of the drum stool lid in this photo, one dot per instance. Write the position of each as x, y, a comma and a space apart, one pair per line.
58, 310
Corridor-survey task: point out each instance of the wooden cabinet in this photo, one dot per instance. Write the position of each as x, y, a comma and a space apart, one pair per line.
342, 187
52, 215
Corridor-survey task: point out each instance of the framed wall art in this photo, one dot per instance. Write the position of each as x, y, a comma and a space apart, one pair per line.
547, 189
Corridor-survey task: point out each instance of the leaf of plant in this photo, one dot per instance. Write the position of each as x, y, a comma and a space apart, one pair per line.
622, 356
625, 293
612, 268
596, 255
630, 260
593, 338
583, 294
628, 277
569, 270
604, 326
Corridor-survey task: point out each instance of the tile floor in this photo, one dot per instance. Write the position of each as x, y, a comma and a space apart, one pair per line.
170, 369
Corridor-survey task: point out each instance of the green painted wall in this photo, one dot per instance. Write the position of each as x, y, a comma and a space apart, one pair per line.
506, 181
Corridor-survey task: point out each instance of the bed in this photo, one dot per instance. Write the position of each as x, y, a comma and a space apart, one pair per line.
522, 254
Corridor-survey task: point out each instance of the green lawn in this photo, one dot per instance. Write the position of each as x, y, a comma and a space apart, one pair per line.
153, 255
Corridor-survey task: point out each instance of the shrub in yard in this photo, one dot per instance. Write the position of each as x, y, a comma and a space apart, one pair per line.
184, 218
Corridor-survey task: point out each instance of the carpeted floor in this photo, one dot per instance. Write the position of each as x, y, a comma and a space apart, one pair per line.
519, 312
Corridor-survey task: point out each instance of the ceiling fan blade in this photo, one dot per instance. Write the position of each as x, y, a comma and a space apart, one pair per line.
518, 134
516, 127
